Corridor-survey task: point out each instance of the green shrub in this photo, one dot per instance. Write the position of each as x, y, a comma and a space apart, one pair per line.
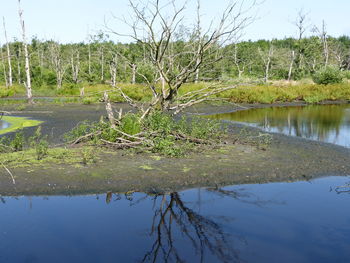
17, 142
328, 75
130, 124
161, 133
88, 156
41, 149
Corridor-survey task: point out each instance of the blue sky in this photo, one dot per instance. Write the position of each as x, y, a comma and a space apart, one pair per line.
71, 20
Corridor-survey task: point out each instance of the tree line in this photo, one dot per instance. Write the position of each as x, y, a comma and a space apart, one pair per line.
103, 61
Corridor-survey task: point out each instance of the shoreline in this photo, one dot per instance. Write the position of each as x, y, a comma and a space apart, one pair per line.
287, 159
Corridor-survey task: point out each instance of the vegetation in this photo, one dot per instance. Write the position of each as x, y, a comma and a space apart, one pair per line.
17, 123
158, 133
328, 75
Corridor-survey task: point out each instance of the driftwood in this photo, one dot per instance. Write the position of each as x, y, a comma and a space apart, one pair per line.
9, 172
118, 145
85, 137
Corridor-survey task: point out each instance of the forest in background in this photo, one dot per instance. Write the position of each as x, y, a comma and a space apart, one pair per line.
101, 61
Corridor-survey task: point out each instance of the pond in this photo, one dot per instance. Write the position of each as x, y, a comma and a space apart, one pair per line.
277, 222
327, 123
4, 125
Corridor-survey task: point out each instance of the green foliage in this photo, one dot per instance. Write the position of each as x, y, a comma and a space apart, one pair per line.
130, 124
88, 156
41, 149
162, 134
39, 143
328, 75
17, 142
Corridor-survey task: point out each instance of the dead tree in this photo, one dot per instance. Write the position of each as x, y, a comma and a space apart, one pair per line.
133, 70
28, 83
10, 80
75, 65
322, 33
157, 29
4, 68
113, 69
58, 63
302, 25
292, 59
266, 57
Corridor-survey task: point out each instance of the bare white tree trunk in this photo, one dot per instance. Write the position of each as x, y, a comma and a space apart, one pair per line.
237, 62
102, 61
325, 43
113, 70
133, 78
28, 83
10, 81
324, 39
58, 65
291, 65
75, 64
267, 61
4, 68
19, 72
89, 61
109, 110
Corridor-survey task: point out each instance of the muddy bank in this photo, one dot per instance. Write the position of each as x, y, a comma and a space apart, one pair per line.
286, 159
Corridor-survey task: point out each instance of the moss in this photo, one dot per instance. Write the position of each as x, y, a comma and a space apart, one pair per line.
28, 158
17, 123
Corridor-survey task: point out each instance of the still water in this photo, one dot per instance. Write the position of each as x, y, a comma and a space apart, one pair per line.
277, 222
327, 123
4, 124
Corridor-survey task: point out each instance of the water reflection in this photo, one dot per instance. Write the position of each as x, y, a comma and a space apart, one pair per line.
4, 124
289, 222
327, 123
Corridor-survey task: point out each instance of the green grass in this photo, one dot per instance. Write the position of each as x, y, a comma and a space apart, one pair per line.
17, 123
272, 93
27, 158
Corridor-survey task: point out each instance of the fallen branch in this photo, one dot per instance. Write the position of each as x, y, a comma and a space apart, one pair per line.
180, 136
82, 138
118, 145
9, 172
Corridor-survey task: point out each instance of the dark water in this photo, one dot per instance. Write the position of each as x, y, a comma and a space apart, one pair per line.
278, 222
327, 123
4, 124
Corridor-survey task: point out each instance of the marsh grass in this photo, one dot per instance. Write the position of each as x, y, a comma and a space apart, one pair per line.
274, 92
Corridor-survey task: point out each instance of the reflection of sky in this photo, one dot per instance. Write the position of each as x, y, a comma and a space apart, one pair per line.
296, 222
4, 125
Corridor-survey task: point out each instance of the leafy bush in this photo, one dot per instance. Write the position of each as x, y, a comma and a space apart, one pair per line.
18, 141
160, 133
328, 75
39, 143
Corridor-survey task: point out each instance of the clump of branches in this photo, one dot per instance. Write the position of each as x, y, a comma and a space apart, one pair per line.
178, 53
159, 133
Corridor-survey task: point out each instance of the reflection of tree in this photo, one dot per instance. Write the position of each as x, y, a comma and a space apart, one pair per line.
203, 233
315, 121
175, 225
243, 197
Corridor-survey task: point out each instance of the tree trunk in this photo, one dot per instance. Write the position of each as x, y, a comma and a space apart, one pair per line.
133, 78
28, 83
113, 70
4, 68
19, 79
291, 66
8, 56
102, 65
89, 61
